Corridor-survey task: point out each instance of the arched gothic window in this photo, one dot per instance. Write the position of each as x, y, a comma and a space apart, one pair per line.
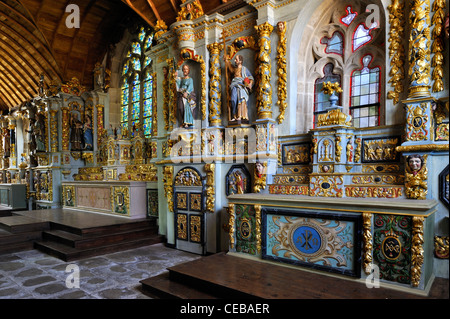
351, 53
137, 86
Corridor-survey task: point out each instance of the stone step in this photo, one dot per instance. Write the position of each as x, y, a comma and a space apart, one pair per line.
22, 224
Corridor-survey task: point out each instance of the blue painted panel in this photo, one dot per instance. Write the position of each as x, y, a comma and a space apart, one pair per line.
323, 241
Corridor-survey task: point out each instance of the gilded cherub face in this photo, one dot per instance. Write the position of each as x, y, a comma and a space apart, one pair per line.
415, 164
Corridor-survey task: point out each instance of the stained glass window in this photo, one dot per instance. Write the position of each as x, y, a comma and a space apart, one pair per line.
362, 35
348, 19
335, 44
365, 89
137, 87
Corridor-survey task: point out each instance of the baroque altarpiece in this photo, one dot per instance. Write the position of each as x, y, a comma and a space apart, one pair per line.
313, 133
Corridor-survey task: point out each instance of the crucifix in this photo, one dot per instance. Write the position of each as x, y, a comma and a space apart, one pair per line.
224, 39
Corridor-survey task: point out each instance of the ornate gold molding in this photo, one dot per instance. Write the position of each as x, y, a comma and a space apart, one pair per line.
260, 176
258, 227
231, 223
396, 49
419, 49
281, 70
438, 45
417, 250
423, 148
210, 187
416, 186
168, 186
264, 89
367, 242
215, 94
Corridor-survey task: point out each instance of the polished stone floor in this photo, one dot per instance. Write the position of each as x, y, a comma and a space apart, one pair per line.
35, 275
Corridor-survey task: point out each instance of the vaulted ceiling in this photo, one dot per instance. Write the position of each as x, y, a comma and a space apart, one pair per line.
35, 39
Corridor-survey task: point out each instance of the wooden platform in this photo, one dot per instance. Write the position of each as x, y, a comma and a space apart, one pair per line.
226, 276
71, 235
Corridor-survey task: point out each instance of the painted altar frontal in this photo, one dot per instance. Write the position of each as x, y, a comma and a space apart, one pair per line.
355, 238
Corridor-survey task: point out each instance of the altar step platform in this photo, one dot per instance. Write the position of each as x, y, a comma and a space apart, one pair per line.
224, 276
72, 235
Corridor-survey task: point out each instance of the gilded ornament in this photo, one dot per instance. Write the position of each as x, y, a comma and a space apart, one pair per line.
438, 45
367, 243
190, 11
264, 73
441, 247
419, 49
215, 95
396, 49
416, 186
281, 70
417, 120
260, 177
168, 186
258, 227
417, 251
231, 224
210, 187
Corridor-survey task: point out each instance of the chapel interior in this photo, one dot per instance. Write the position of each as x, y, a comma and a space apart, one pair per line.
309, 138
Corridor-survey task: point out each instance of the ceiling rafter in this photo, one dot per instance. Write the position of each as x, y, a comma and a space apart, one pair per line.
77, 31
153, 7
32, 37
9, 69
143, 16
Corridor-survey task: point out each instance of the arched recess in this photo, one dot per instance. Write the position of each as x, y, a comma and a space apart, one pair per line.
320, 20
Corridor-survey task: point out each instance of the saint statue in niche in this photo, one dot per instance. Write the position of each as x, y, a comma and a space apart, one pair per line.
76, 132
186, 98
39, 133
87, 133
240, 87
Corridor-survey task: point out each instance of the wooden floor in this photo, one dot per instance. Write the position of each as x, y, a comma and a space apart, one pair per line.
226, 276
71, 235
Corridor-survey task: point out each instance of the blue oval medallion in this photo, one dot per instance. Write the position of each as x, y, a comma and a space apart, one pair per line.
307, 240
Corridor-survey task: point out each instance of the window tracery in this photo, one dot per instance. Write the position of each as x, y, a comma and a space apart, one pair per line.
350, 53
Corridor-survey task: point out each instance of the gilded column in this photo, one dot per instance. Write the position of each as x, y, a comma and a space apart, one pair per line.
438, 45
419, 49
396, 48
417, 250
264, 90
215, 95
210, 187
100, 123
166, 104
281, 70
258, 227
65, 128
168, 186
367, 242
53, 130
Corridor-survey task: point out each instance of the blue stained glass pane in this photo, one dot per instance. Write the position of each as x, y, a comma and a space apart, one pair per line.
147, 61
125, 96
148, 126
124, 117
136, 64
136, 48
142, 34
136, 92
135, 111
125, 69
147, 107
148, 43
349, 17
